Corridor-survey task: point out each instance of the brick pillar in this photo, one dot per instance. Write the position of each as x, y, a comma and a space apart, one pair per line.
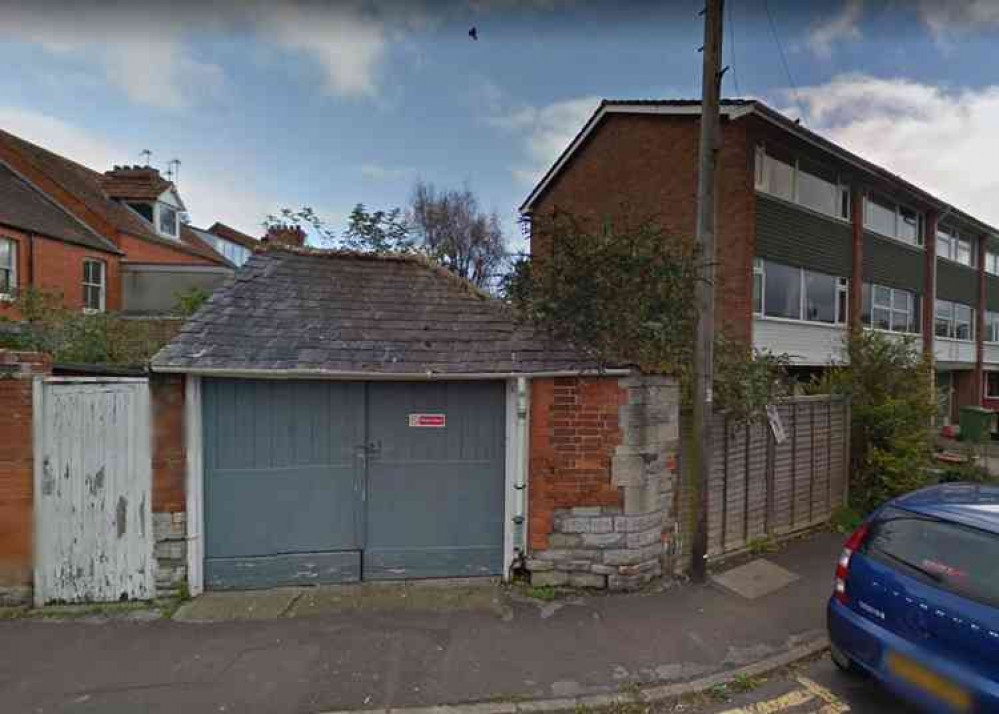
17, 371
856, 258
169, 462
980, 325
929, 282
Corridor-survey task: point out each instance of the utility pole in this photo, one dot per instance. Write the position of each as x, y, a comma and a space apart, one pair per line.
704, 342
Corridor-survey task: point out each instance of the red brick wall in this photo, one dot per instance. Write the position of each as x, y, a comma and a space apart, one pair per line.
143, 251
965, 392
574, 431
17, 464
58, 267
637, 167
166, 394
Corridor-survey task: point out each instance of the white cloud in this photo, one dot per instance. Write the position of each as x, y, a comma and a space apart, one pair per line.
142, 54
547, 130
348, 43
209, 196
945, 17
839, 27
940, 139
380, 172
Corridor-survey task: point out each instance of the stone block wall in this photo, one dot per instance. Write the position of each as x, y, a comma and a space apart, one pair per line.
616, 531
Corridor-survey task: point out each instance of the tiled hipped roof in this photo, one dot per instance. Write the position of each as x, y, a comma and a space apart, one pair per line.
86, 186
24, 207
329, 312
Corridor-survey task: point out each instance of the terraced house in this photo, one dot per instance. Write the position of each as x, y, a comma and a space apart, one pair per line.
811, 237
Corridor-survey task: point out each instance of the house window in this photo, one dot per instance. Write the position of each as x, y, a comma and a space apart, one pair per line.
992, 262
802, 182
992, 385
8, 267
758, 286
798, 294
94, 285
143, 209
168, 220
954, 320
889, 219
991, 326
890, 309
952, 246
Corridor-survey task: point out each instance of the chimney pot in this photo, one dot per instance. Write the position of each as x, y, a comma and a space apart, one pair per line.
285, 235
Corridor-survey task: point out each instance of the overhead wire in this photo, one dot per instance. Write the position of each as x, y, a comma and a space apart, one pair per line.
783, 59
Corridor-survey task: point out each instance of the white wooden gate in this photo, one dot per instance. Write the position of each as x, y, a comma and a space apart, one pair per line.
93, 481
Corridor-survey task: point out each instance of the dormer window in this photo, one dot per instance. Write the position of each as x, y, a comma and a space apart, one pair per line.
168, 218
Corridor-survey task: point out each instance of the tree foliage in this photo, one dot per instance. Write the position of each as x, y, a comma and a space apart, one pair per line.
48, 326
453, 230
889, 383
617, 296
627, 295
447, 225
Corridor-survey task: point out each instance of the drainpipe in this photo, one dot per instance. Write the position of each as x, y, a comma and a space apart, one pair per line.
520, 452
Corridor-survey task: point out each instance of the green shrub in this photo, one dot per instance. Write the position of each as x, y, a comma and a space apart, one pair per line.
889, 384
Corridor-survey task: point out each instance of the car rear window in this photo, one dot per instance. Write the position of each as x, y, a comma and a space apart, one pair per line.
956, 558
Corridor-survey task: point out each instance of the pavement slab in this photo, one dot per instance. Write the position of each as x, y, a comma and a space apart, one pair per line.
381, 657
755, 579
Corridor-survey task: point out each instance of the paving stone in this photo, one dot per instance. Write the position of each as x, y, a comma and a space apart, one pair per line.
755, 579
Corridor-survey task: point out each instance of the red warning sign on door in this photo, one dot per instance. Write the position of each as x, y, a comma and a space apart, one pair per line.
431, 421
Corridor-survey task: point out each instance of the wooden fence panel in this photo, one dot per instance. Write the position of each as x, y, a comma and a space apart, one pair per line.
759, 488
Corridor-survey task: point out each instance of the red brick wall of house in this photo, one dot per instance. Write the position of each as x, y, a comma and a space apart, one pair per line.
965, 392
637, 167
166, 394
574, 432
17, 464
57, 267
138, 250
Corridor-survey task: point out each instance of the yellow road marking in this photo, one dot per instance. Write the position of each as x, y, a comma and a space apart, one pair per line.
834, 705
773, 706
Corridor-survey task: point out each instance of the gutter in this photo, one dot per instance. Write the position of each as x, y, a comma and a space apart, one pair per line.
381, 376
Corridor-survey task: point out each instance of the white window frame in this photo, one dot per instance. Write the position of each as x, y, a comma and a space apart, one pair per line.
921, 231
953, 321
991, 327
841, 307
910, 312
991, 262
762, 183
955, 242
160, 206
11, 269
102, 286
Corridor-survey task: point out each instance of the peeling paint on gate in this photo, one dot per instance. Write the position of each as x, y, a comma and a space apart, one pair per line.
93, 543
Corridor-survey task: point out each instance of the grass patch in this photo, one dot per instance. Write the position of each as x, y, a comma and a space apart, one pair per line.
542, 592
743, 683
763, 545
71, 612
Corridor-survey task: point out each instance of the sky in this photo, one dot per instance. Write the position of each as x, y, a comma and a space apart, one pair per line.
288, 104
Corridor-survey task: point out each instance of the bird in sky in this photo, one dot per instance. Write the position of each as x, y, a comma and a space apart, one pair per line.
473, 33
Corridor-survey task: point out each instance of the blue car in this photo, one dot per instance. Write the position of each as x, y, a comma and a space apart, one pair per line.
916, 599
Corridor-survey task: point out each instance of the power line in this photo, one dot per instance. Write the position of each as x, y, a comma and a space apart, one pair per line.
731, 50
783, 60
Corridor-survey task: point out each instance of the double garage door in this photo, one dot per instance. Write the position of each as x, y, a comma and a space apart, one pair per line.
310, 482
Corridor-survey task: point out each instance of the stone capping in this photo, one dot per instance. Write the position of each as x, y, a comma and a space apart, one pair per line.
623, 547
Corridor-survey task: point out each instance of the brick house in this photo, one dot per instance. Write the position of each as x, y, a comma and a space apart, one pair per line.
107, 242
810, 237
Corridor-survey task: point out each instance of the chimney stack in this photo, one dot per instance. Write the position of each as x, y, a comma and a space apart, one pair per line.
286, 235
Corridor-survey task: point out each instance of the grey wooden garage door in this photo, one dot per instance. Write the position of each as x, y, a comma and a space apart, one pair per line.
310, 482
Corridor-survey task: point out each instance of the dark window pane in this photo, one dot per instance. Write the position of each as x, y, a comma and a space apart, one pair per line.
820, 297
783, 298
962, 559
781, 176
909, 226
882, 318
865, 304
757, 292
